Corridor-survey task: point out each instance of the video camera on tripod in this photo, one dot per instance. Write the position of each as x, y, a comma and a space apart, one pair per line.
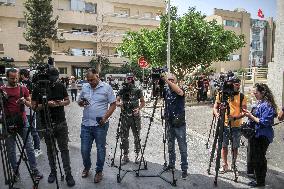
224, 85
157, 82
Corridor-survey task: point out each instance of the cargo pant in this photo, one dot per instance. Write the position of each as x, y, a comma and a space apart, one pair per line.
127, 122
60, 133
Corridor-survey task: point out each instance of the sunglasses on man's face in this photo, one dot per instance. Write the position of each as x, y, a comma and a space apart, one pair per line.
130, 78
236, 84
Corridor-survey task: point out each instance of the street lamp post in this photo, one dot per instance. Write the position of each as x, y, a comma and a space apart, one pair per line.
169, 38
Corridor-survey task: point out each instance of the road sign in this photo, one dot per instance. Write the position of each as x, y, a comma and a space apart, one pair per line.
142, 62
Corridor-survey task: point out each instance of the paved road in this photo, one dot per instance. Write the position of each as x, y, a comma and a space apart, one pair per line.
198, 119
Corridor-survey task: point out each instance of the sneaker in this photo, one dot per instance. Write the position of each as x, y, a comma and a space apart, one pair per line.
169, 167
51, 178
254, 184
70, 180
85, 173
38, 152
37, 175
16, 176
125, 159
98, 177
184, 175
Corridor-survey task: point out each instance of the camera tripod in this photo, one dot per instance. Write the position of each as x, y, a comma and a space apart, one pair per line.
223, 108
49, 131
121, 175
173, 182
10, 175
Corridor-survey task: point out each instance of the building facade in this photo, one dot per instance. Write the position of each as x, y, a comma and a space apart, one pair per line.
262, 40
259, 39
86, 29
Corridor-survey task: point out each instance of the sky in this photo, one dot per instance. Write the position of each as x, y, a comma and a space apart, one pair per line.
207, 6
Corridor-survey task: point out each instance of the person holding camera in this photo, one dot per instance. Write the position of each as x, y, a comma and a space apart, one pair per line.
95, 97
128, 99
175, 121
262, 120
236, 103
24, 78
57, 98
14, 107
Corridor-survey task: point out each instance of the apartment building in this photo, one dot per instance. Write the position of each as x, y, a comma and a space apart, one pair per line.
86, 29
239, 22
262, 42
259, 39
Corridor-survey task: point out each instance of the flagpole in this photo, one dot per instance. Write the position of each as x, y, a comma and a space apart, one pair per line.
169, 38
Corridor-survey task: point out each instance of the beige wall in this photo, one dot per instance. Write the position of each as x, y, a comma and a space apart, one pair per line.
244, 18
105, 21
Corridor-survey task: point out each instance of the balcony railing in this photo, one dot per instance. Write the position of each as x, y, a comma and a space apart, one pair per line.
131, 20
76, 17
80, 37
152, 3
65, 57
12, 11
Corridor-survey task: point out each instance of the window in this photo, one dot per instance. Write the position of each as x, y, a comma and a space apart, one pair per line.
23, 47
121, 12
62, 70
21, 24
232, 23
1, 49
91, 8
234, 57
148, 15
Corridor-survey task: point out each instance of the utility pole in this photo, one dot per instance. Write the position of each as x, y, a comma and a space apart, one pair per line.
169, 38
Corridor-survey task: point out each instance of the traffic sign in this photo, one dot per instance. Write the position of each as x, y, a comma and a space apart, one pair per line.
142, 62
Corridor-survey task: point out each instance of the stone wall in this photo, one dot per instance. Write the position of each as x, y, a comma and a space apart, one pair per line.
276, 68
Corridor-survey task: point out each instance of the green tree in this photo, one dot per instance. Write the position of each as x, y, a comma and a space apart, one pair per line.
194, 43
41, 28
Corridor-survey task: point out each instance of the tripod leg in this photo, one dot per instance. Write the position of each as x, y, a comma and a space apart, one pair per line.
147, 136
23, 156
220, 141
212, 123
57, 158
164, 134
214, 146
117, 138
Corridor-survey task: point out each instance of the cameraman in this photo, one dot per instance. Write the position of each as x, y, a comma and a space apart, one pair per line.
18, 97
175, 121
237, 102
130, 96
57, 97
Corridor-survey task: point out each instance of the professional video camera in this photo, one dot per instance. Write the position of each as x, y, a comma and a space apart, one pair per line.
45, 74
158, 83
224, 84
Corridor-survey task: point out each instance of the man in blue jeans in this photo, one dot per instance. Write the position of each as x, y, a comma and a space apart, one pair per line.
18, 97
95, 97
175, 122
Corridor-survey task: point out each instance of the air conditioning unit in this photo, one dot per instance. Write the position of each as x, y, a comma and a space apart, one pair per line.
3, 2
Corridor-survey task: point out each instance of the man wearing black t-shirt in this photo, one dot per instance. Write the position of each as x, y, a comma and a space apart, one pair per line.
57, 98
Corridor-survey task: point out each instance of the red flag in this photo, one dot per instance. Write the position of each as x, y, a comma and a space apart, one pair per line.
260, 13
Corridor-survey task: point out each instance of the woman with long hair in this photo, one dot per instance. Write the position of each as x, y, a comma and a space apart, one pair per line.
262, 119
